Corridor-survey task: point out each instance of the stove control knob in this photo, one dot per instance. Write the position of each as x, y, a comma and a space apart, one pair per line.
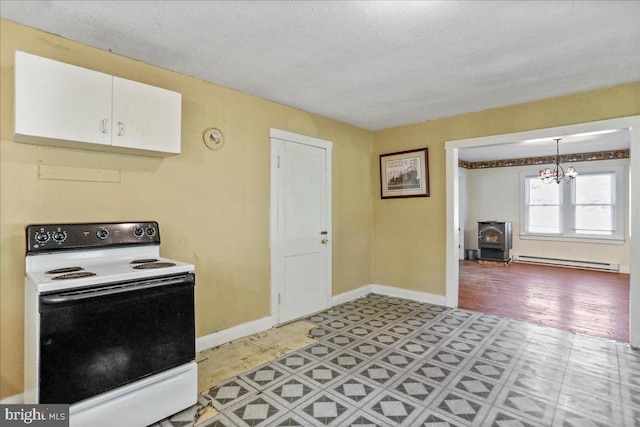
60, 236
42, 237
102, 233
151, 231
138, 232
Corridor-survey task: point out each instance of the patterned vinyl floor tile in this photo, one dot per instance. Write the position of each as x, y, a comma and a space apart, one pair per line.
230, 392
386, 361
394, 409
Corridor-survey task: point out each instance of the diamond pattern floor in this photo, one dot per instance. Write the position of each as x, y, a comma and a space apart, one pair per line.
384, 361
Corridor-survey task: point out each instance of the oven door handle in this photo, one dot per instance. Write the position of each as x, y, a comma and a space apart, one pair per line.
76, 296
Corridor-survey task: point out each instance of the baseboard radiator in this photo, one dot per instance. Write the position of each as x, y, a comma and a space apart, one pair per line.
602, 266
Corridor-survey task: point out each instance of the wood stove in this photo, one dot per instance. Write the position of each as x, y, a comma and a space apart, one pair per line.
494, 240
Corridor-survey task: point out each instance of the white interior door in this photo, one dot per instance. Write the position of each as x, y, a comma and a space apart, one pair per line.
301, 243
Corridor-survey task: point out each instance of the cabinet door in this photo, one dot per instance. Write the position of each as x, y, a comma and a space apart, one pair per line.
60, 102
146, 117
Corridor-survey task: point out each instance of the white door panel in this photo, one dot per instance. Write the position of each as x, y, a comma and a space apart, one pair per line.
303, 292
303, 192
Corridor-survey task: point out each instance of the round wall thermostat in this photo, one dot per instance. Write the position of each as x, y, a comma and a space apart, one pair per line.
213, 139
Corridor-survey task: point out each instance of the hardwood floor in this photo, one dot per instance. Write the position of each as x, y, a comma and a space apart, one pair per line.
588, 302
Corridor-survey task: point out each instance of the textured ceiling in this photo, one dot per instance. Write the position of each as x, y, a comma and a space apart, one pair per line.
373, 64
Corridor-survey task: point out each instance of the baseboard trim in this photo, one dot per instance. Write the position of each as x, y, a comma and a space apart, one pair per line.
16, 399
388, 291
351, 295
418, 296
227, 335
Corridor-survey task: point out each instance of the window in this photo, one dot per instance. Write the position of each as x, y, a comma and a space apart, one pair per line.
544, 207
594, 204
590, 207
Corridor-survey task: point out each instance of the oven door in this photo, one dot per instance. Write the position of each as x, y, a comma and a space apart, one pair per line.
97, 339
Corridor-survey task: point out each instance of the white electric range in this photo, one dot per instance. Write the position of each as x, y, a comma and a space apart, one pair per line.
110, 326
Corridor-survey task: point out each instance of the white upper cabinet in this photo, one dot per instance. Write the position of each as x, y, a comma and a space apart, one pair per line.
69, 106
61, 102
145, 116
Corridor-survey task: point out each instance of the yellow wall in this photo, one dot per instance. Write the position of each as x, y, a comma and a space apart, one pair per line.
213, 207
411, 232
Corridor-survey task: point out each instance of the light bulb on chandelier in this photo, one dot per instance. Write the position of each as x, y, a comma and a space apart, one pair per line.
557, 174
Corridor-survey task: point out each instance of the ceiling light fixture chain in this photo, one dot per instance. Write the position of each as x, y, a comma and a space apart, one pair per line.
557, 174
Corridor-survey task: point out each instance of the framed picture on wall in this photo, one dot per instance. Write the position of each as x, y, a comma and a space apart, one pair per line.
404, 174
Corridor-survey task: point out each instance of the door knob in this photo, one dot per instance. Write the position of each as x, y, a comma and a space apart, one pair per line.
324, 241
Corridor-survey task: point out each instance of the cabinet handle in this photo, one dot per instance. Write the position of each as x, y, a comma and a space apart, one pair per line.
103, 125
120, 128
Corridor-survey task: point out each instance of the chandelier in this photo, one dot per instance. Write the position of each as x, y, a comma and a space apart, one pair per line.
557, 174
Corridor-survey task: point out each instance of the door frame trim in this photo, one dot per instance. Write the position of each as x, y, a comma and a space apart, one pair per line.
276, 135
452, 171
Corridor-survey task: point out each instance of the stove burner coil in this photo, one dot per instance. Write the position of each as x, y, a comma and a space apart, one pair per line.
153, 265
74, 275
64, 270
143, 261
